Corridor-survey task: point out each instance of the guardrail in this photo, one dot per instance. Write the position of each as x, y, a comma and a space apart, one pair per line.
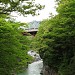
31, 30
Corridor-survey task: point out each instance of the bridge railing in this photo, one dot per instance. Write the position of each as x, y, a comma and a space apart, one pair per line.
31, 30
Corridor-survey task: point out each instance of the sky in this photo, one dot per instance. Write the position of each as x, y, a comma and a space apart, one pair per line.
44, 13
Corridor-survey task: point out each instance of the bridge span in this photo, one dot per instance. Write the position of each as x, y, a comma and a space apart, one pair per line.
30, 32
32, 28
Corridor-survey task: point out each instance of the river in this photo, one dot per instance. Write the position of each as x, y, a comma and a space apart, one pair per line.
33, 68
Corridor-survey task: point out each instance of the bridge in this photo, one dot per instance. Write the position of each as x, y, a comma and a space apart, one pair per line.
30, 32
32, 28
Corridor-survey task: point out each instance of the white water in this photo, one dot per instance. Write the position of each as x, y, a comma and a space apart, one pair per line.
34, 68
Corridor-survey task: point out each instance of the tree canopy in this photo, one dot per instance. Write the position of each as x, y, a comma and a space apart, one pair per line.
13, 48
21, 6
55, 39
13, 45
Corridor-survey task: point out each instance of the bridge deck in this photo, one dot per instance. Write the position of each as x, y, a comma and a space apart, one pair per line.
31, 30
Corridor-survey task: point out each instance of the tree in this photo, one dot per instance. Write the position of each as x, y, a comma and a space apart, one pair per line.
56, 38
21, 6
13, 45
13, 52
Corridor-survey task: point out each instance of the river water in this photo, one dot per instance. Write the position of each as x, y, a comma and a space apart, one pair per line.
34, 68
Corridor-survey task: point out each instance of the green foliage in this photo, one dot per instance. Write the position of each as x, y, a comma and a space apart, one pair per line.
66, 69
13, 48
13, 45
66, 8
55, 39
21, 6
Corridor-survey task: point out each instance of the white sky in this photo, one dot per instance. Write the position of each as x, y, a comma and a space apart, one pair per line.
44, 14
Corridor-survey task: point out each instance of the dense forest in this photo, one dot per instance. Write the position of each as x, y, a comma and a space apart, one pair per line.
13, 45
13, 48
55, 39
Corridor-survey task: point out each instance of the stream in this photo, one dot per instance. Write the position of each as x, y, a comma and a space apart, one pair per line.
35, 67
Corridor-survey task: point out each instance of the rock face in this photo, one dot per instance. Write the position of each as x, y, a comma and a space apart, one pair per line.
48, 71
35, 55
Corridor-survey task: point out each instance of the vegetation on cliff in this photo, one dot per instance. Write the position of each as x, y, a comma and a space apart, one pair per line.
13, 45
13, 48
55, 39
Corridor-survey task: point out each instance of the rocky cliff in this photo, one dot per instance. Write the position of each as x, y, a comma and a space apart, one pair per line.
48, 71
